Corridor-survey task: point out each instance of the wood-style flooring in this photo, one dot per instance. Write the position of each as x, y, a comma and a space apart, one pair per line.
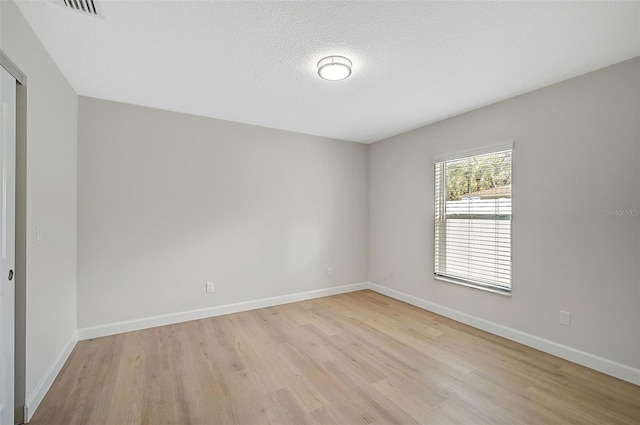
357, 358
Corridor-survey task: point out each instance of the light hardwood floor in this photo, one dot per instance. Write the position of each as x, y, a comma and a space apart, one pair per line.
358, 358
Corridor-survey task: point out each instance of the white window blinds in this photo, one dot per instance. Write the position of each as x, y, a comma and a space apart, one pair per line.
473, 219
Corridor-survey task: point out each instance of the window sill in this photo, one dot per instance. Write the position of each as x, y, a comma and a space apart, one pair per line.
502, 292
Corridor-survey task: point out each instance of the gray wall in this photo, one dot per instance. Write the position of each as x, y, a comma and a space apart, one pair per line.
577, 156
168, 201
52, 104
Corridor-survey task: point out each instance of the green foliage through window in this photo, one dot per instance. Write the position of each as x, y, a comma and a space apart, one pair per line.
466, 176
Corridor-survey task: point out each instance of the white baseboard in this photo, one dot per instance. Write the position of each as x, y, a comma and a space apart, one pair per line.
35, 398
610, 367
185, 316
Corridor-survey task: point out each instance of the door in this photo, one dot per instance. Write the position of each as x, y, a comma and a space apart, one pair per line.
7, 243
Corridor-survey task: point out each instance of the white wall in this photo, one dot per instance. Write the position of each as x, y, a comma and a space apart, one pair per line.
577, 155
168, 201
51, 204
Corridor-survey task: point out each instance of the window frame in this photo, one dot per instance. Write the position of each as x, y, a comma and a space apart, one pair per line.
440, 209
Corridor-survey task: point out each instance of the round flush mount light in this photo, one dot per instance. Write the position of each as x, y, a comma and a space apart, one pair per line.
334, 68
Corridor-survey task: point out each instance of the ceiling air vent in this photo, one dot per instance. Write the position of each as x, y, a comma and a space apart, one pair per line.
88, 7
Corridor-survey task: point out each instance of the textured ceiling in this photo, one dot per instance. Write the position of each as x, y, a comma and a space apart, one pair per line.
415, 63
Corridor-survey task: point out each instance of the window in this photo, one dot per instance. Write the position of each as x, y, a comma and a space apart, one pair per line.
473, 219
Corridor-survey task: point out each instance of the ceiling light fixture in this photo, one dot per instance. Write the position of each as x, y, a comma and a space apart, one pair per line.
334, 68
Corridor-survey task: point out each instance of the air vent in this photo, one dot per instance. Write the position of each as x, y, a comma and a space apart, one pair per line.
88, 7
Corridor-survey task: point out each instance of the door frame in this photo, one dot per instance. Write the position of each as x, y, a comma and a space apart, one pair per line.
20, 236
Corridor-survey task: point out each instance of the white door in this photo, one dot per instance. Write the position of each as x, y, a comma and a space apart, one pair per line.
7, 245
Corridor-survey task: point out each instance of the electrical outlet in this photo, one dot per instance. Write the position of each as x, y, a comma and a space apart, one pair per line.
209, 287
565, 318
329, 271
